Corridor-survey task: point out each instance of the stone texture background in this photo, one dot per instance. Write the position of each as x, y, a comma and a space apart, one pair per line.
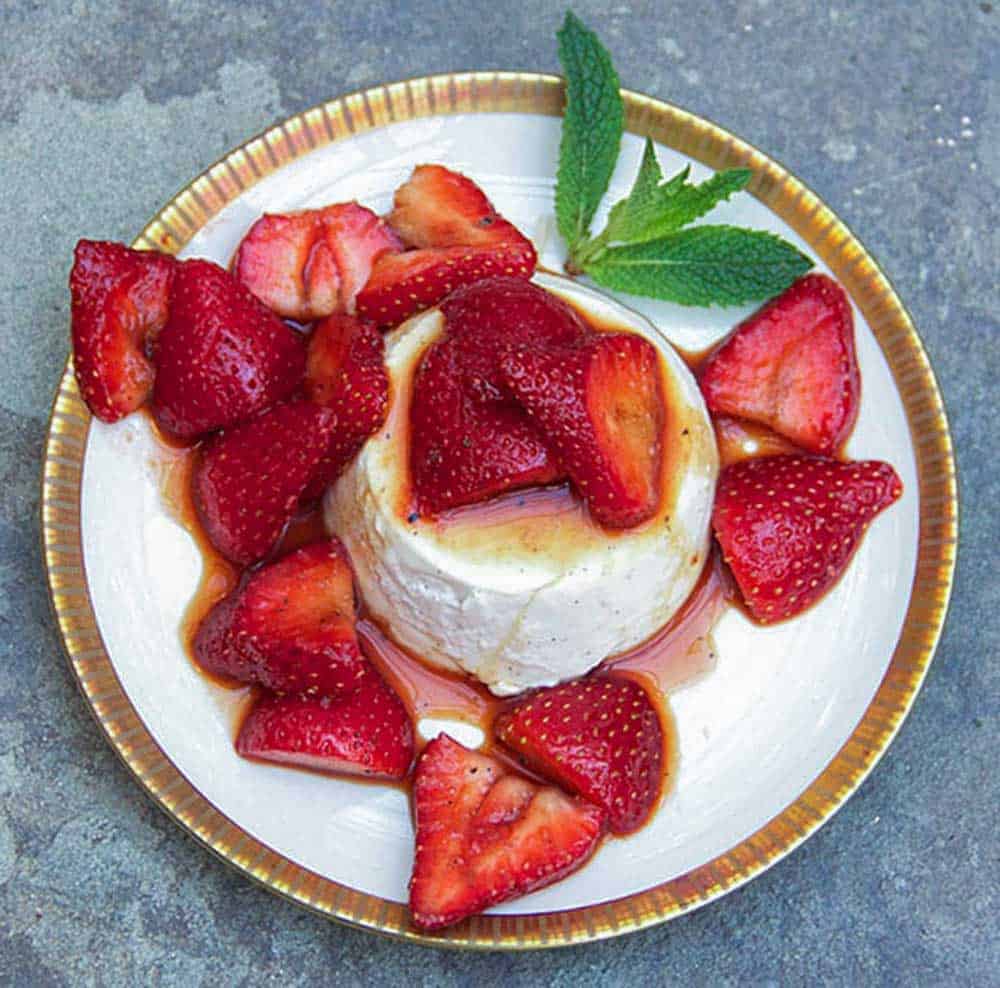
890, 111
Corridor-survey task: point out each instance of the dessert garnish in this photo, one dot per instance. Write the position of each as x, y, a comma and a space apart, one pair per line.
499, 395
598, 737
791, 366
788, 525
312, 263
485, 834
647, 247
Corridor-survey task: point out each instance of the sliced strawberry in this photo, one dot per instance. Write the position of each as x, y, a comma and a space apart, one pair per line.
402, 284
221, 356
441, 208
600, 408
120, 301
345, 372
248, 479
598, 737
469, 439
739, 439
366, 732
788, 525
495, 315
463, 450
486, 834
791, 366
289, 625
308, 264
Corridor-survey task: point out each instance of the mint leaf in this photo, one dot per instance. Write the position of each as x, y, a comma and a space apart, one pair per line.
591, 130
652, 211
703, 265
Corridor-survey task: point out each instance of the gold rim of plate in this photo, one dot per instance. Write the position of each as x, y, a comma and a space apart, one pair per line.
828, 237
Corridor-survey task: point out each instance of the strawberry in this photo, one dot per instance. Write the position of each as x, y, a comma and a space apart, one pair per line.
788, 525
402, 284
248, 479
791, 366
486, 834
310, 264
599, 406
598, 737
289, 625
120, 302
470, 440
441, 208
463, 450
345, 372
221, 356
366, 732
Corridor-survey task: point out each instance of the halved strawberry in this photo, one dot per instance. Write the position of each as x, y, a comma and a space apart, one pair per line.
222, 355
345, 372
308, 264
366, 732
739, 439
248, 479
469, 439
791, 366
463, 450
120, 300
599, 737
289, 626
402, 284
486, 834
600, 408
788, 525
441, 208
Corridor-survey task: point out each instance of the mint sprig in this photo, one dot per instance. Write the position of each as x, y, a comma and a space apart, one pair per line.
647, 246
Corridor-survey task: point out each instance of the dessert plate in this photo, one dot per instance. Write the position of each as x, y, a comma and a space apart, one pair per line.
772, 741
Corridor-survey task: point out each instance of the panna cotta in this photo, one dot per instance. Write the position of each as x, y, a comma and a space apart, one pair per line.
525, 590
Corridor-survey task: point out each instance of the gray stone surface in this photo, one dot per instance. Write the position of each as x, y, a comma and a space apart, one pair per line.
890, 111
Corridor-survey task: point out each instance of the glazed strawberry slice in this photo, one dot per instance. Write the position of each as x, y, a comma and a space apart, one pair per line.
365, 733
599, 737
486, 834
441, 208
289, 626
788, 525
120, 300
308, 264
792, 367
222, 355
495, 315
464, 450
345, 372
248, 479
403, 284
599, 406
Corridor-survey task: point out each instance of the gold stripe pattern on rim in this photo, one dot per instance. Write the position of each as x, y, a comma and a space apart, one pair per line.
831, 240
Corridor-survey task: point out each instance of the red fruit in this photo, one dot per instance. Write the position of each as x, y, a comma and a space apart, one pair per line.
788, 525
309, 264
221, 356
599, 406
346, 373
470, 440
402, 284
791, 366
289, 626
248, 479
486, 834
363, 733
120, 302
464, 450
441, 208
598, 737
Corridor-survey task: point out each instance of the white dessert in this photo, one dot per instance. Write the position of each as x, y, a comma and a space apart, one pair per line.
522, 595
